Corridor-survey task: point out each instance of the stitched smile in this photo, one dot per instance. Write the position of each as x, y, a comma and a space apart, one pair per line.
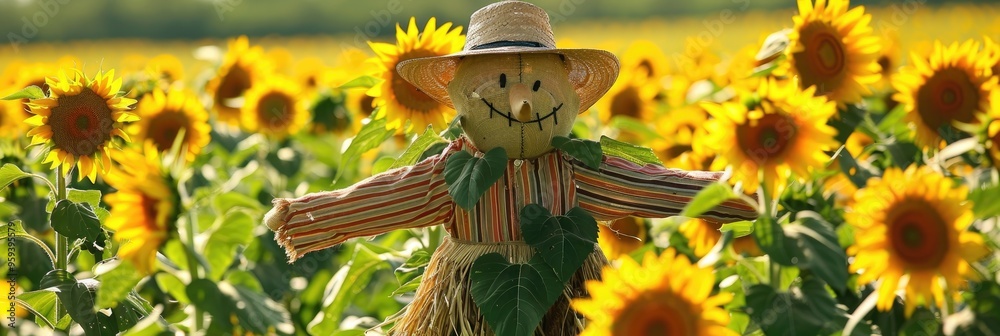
538, 117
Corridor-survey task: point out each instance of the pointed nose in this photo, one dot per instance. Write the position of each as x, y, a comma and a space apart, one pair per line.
520, 102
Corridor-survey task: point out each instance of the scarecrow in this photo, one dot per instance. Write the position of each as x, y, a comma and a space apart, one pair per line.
513, 90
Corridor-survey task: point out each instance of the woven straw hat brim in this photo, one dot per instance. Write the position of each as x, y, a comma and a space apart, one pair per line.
592, 72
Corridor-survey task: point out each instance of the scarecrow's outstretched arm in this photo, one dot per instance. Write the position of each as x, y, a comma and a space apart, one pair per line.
621, 188
403, 198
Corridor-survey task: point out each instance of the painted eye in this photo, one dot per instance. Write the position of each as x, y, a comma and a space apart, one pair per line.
503, 80
538, 84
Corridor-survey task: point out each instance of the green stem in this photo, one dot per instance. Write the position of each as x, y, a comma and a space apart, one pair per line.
62, 245
767, 209
199, 316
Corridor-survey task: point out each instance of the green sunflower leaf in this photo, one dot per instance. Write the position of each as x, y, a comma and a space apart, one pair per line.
361, 82
740, 229
31, 92
770, 236
417, 148
369, 137
76, 220
513, 298
564, 242
10, 173
707, 198
346, 285
636, 154
587, 151
817, 249
984, 201
469, 177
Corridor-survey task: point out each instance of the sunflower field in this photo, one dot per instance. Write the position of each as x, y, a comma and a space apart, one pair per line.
136, 175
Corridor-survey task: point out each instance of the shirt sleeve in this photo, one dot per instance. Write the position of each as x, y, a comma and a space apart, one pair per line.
620, 188
403, 198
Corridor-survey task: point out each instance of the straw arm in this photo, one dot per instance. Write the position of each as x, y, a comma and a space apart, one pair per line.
620, 188
403, 198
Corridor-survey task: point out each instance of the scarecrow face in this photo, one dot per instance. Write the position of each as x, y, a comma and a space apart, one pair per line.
517, 101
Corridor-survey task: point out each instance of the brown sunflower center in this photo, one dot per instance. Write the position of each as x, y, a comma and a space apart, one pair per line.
149, 209
919, 236
165, 126
885, 64
366, 105
629, 227
767, 138
627, 103
822, 61
408, 95
235, 82
646, 68
659, 314
948, 95
274, 111
81, 124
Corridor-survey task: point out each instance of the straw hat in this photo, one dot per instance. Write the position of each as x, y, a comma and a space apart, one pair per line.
511, 27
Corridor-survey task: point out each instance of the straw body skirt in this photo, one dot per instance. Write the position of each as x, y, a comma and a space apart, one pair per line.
443, 304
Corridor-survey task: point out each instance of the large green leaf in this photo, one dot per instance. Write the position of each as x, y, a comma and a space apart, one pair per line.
205, 294
985, 202
361, 82
173, 286
116, 283
31, 92
469, 177
770, 236
412, 268
78, 298
708, 198
234, 200
76, 220
564, 242
817, 249
258, 313
417, 148
10, 173
857, 173
739, 229
42, 303
130, 311
587, 151
805, 310
636, 154
220, 250
512, 298
369, 137
344, 287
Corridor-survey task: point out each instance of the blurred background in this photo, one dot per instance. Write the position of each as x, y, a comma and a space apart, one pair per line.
44, 30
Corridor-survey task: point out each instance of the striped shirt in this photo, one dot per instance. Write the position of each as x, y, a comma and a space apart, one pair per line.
417, 196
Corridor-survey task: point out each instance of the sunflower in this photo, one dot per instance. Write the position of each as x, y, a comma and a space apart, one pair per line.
165, 67
952, 85
912, 225
77, 120
992, 50
678, 129
666, 295
399, 100
242, 68
274, 109
622, 236
646, 60
165, 115
11, 119
702, 236
783, 133
19, 75
143, 209
993, 142
311, 73
631, 96
889, 59
834, 49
